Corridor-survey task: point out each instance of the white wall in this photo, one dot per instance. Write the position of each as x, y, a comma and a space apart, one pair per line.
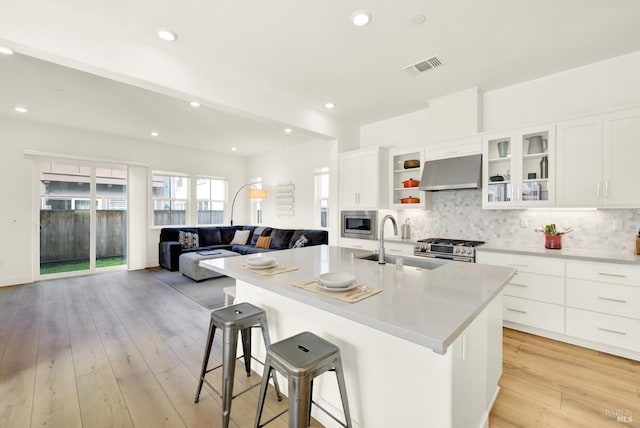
292, 164
17, 217
453, 116
593, 88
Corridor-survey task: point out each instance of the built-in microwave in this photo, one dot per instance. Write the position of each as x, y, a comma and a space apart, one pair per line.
359, 224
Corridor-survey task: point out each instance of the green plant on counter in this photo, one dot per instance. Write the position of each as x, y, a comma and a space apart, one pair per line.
552, 230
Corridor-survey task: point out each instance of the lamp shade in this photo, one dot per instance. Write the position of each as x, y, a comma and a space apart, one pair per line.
257, 194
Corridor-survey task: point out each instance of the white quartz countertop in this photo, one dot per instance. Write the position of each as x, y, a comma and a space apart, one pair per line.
427, 307
565, 253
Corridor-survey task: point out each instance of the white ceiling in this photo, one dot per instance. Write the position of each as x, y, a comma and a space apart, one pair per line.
308, 53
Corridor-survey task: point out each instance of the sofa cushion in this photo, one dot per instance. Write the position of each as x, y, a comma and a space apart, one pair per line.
315, 237
188, 239
257, 233
263, 242
227, 233
171, 233
280, 238
241, 237
209, 236
248, 249
300, 242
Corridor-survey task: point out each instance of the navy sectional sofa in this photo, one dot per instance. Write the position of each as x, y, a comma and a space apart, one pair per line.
220, 237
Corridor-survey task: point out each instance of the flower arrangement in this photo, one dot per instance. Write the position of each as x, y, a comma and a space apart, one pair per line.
553, 236
552, 230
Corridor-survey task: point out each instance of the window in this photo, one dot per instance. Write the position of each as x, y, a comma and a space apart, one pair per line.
211, 195
322, 197
170, 198
256, 204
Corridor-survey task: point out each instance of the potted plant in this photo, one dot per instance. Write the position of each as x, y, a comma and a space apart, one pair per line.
553, 236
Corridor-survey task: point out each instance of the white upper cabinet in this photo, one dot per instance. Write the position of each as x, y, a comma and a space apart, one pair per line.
404, 179
454, 148
518, 168
580, 162
359, 178
621, 155
597, 161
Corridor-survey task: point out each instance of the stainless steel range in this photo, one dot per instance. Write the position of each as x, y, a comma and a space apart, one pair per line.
450, 249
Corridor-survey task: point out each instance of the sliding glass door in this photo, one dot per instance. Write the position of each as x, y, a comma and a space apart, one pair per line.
83, 213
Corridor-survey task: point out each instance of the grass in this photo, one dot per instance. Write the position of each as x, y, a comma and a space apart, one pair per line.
80, 265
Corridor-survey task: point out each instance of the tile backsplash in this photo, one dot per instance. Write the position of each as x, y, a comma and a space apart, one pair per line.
459, 214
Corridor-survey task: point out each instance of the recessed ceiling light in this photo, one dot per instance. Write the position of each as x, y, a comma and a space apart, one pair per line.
288, 130
360, 18
167, 35
5, 51
194, 104
419, 19
21, 109
233, 149
329, 105
154, 134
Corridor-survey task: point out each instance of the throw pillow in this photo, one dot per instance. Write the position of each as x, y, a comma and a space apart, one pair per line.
263, 242
301, 242
240, 237
257, 233
188, 239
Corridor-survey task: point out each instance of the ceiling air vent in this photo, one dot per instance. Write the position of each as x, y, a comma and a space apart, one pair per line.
424, 65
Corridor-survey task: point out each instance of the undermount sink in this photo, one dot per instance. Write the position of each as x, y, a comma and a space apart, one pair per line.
407, 261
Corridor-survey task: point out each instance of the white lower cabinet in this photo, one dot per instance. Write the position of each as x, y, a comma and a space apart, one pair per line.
359, 244
399, 248
591, 304
546, 316
605, 329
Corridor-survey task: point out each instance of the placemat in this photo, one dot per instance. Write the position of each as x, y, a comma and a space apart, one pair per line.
278, 268
354, 295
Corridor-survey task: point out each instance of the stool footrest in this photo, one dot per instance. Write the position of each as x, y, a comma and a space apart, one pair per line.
273, 418
328, 413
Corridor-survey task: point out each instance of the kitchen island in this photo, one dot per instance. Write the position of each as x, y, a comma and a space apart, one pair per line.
426, 351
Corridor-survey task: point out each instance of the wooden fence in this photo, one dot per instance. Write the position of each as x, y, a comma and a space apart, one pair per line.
64, 234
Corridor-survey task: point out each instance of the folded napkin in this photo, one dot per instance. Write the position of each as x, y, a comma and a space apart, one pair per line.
276, 269
360, 292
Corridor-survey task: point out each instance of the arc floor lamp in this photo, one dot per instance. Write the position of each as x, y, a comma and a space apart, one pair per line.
253, 194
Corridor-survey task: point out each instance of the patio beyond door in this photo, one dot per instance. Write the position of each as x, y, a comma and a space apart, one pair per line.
83, 217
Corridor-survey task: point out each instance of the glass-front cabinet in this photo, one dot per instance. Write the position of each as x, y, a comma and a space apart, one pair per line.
405, 173
519, 168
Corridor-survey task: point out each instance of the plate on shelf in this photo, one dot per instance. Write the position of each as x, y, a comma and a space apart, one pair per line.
336, 280
351, 286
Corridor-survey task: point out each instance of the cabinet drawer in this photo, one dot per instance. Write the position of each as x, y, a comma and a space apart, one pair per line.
604, 272
543, 288
607, 329
452, 149
531, 264
399, 249
546, 316
360, 244
611, 299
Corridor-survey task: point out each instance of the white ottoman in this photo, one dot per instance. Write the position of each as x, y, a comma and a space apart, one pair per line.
189, 264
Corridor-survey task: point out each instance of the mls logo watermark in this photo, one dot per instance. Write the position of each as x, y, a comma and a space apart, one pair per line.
620, 415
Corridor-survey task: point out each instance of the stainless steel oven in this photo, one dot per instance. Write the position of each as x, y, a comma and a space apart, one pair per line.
359, 224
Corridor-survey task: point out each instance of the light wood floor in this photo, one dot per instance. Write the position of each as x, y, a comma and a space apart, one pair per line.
123, 349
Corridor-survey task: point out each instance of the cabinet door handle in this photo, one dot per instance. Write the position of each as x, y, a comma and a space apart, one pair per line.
610, 299
518, 285
517, 265
452, 152
598, 190
606, 189
357, 246
612, 331
517, 310
612, 274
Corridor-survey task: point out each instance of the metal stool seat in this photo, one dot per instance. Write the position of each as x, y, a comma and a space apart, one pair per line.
231, 320
301, 358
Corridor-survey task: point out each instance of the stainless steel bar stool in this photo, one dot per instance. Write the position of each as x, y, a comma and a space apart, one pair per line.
233, 319
301, 358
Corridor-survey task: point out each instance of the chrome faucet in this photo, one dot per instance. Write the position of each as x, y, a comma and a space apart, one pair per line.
381, 260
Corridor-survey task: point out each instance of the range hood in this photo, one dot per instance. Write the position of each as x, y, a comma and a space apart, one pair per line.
464, 172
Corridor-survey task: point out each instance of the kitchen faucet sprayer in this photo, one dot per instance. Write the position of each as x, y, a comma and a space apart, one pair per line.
381, 260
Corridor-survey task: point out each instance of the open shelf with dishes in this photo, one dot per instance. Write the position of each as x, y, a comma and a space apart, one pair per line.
518, 168
406, 166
